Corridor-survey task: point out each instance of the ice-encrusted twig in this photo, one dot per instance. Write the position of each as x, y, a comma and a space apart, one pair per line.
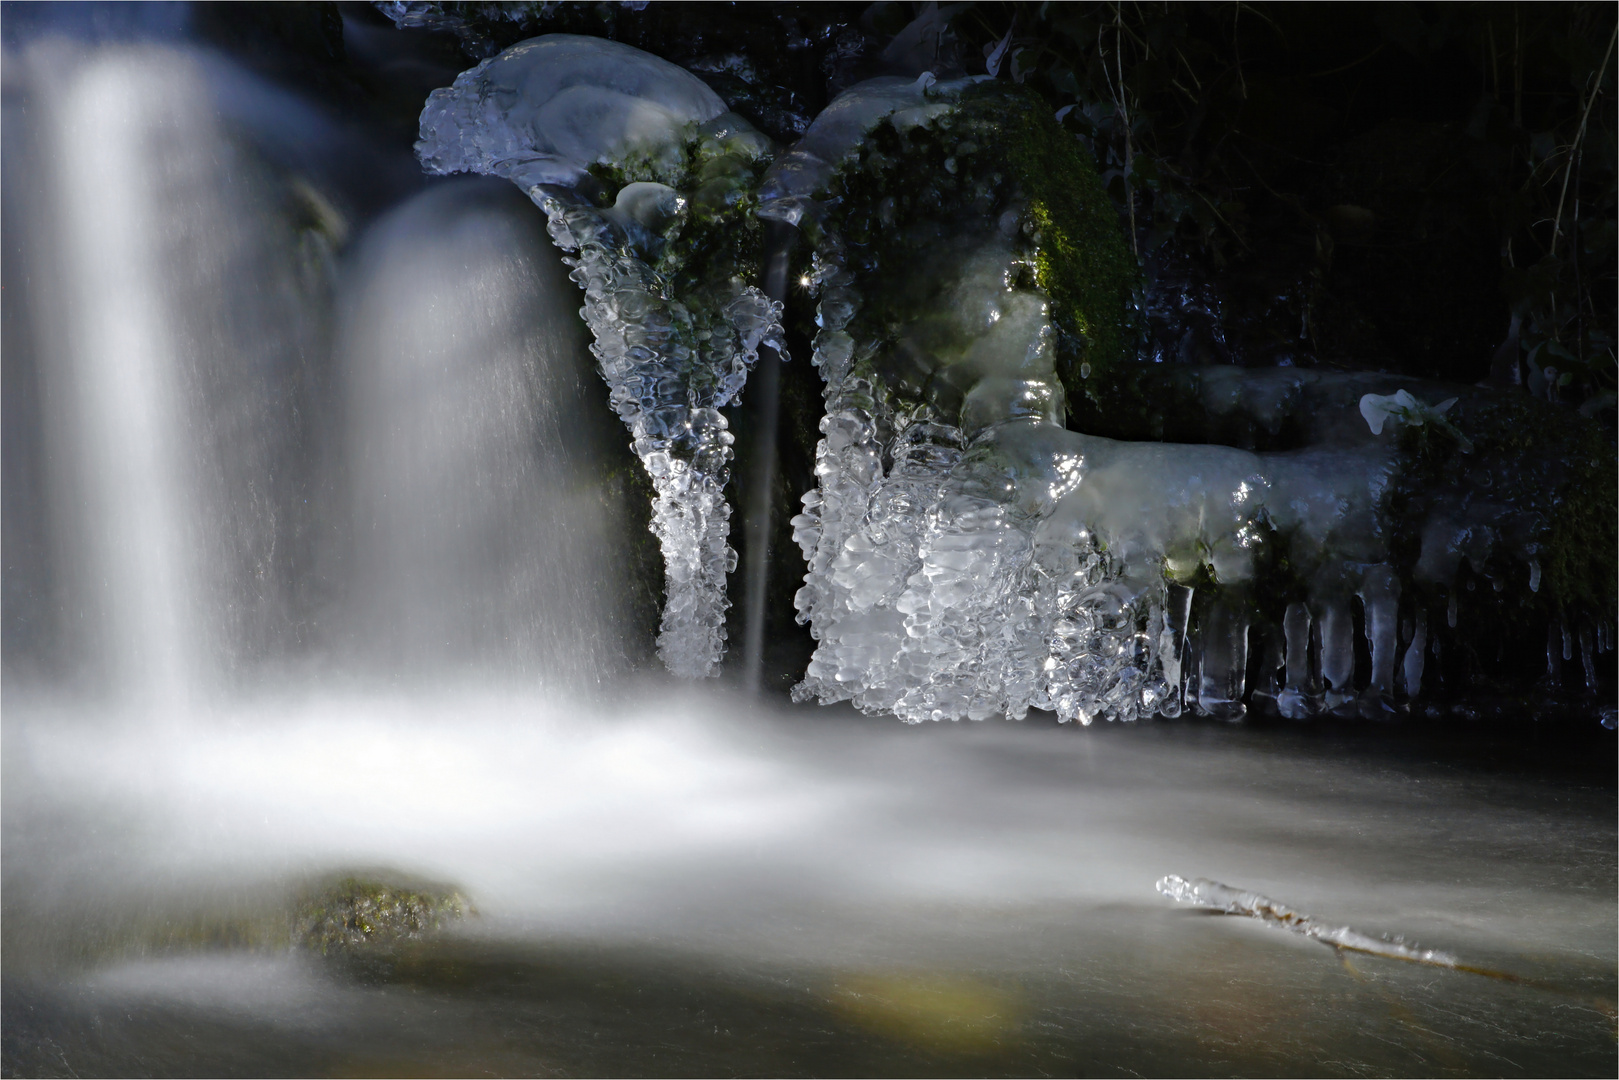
1203, 892
1212, 894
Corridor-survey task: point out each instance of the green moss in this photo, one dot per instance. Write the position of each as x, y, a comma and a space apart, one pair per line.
1083, 260
914, 205
704, 253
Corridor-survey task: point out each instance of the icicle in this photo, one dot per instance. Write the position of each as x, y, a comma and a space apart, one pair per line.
1568, 642
1416, 655
1338, 653
1172, 645
1553, 647
1272, 660
1225, 662
1534, 575
1588, 658
1380, 593
1294, 702
670, 367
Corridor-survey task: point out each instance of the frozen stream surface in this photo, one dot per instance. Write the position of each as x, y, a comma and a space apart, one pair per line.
698, 885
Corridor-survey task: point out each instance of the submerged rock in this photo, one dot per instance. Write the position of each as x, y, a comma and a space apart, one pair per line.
355, 913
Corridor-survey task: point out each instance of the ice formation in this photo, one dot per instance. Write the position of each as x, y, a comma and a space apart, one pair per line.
666, 268
968, 555
1212, 894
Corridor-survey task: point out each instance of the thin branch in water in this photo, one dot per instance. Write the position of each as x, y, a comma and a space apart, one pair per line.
1212, 894
1204, 893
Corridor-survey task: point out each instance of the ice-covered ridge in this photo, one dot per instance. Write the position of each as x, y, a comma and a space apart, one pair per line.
548, 108
666, 269
971, 557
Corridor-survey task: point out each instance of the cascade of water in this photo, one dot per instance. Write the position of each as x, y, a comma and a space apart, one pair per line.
485, 529
666, 280
177, 309
762, 480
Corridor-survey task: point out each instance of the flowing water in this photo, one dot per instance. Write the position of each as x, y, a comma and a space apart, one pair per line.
315, 566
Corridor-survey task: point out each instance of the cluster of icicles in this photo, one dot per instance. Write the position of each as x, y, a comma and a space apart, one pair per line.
967, 561
540, 114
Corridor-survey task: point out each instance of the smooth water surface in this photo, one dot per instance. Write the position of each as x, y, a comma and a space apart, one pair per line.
706, 886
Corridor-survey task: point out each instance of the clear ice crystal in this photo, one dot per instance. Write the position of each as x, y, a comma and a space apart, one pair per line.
546, 109
970, 557
673, 352
670, 368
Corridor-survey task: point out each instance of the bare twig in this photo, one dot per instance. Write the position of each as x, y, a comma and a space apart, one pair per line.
1596, 88
1129, 141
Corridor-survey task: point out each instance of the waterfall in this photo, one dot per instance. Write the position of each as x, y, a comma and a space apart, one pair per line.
171, 312
248, 459
484, 534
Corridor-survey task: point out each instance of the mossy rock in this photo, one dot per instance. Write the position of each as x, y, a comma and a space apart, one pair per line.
927, 197
1083, 258
356, 913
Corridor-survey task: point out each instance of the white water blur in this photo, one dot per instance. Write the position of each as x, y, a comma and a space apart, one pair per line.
166, 318
694, 818
476, 428
112, 120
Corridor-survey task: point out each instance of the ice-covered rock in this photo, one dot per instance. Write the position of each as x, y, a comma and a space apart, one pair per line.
971, 556
667, 268
791, 184
547, 109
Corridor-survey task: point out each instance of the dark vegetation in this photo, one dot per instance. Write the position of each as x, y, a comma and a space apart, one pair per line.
1419, 188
